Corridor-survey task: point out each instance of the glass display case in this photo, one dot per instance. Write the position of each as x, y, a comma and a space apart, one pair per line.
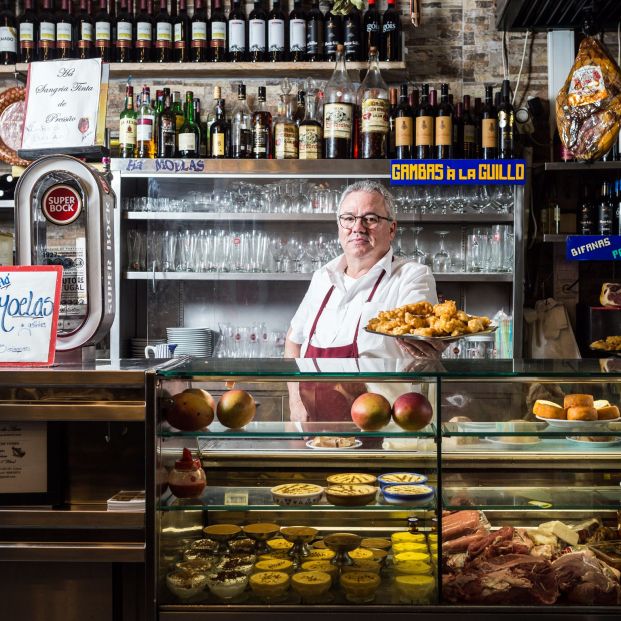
265, 509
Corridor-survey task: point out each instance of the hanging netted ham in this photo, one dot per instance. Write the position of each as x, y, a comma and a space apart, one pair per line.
611, 294
588, 107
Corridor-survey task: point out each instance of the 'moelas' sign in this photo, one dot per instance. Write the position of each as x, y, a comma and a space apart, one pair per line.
61, 204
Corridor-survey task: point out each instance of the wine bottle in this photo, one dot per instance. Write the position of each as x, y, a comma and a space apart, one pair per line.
314, 33
28, 24
8, 34
64, 31
166, 137
182, 29
351, 35
586, 226
237, 32
404, 127
458, 131
202, 147
391, 34
217, 40
218, 133
124, 39
297, 33
257, 33
145, 138
211, 115
198, 40
506, 123
469, 144
444, 126
488, 126
127, 125
424, 126
177, 110
477, 118
374, 110
46, 35
162, 46
338, 111
333, 35
189, 134
103, 33
309, 131
371, 29
241, 135
393, 98
261, 126
276, 26
144, 34
605, 211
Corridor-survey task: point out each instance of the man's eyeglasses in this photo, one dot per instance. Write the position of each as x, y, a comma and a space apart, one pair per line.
369, 220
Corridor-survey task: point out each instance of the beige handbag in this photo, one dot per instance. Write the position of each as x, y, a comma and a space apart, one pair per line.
548, 331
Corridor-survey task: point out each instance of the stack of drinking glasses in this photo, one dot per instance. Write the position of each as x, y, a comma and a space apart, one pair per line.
490, 248
253, 341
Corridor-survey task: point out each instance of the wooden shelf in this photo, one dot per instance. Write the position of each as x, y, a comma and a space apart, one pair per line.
90, 517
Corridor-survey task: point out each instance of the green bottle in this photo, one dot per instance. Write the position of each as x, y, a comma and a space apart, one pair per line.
177, 110
189, 134
127, 125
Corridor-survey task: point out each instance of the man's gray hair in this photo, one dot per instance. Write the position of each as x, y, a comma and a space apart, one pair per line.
370, 187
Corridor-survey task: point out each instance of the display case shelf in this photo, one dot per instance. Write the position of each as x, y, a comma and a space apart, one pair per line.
83, 517
536, 429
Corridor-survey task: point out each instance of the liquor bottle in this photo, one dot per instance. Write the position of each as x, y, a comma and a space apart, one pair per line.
166, 130
189, 134
198, 37
177, 110
617, 203
127, 125
458, 131
182, 30
300, 109
124, 39
338, 111
444, 126
28, 25
217, 40
8, 34
309, 131
285, 133
261, 127
103, 32
314, 33
144, 34
46, 35
506, 123
351, 35
237, 32
605, 210
297, 33
64, 31
424, 126
371, 29
276, 26
404, 127
241, 135
162, 46
391, 34
202, 127
393, 98
586, 226
477, 118
257, 33
218, 132
211, 115
332, 35
469, 145
158, 108
374, 111
488, 126
145, 139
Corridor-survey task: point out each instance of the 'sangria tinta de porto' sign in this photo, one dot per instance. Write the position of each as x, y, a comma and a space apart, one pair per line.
457, 172
593, 248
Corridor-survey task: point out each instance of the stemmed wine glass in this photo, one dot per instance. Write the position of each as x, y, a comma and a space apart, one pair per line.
442, 259
399, 252
502, 201
417, 254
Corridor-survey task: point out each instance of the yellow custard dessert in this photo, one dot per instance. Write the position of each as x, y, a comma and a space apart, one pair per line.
279, 544
325, 567
360, 586
415, 589
409, 547
407, 537
311, 584
271, 556
433, 537
275, 565
375, 542
269, 584
320, 545
380, 556
351, 478
412, 563
360, 553
372, 567
320, 555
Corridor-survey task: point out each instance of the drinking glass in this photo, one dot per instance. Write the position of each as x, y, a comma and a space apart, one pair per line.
502, 199
507, 253
481, 199
495, 258
476, 244
457, 198
136, 250
417, 254
399, 252
442, 259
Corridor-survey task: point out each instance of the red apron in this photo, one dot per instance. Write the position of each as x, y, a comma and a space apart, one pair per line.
328, 401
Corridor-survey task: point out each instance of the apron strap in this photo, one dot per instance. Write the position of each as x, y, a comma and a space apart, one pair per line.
377, 282
323, 305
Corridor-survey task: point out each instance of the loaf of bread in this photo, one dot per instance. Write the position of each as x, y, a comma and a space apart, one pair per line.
548, 409
581, 413
608, 412
575, 401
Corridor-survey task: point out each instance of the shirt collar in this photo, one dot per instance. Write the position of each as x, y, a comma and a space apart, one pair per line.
335, 269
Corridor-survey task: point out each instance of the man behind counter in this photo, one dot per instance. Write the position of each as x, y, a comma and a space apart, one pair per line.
351, 289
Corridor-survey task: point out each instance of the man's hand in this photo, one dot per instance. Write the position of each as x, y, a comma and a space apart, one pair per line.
422, 349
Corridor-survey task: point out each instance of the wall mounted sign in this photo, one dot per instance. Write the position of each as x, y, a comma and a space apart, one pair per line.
29, 303
65, 108
458, 172
593, 248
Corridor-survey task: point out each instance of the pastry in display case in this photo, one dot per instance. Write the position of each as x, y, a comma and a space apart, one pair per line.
507, 497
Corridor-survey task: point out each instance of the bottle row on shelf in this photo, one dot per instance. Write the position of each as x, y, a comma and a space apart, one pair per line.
600, 214
336, 123
141, 34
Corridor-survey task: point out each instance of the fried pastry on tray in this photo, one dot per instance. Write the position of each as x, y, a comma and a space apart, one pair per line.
610, 343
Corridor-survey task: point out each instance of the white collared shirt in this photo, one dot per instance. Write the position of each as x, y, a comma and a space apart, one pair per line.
405, 282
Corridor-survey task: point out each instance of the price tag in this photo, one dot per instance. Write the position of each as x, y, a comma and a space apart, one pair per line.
236, 497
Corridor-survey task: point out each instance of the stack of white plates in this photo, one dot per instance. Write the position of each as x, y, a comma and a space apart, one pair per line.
137, 346
192, 341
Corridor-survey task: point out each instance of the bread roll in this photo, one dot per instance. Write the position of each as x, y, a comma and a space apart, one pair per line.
581, 413
608, 412
548, 409
578, 401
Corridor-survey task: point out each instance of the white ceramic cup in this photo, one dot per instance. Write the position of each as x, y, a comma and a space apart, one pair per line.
157, 351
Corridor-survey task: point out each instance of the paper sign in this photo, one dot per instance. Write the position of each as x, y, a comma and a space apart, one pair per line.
23, 458
29, 303
62, 104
